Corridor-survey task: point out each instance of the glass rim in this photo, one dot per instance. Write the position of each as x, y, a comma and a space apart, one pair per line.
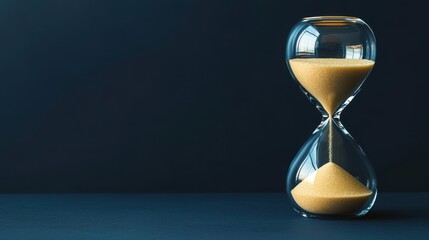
333, 17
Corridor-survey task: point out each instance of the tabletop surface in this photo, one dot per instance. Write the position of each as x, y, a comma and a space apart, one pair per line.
200, 216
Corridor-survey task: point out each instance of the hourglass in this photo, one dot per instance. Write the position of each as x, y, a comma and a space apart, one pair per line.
330, 176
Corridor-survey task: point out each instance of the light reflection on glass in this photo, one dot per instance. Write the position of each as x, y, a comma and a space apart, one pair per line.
354, 51
306, 43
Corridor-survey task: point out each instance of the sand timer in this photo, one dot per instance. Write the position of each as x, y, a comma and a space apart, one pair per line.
330, 57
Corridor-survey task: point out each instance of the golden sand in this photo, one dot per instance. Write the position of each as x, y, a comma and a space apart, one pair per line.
331, 190
330, 80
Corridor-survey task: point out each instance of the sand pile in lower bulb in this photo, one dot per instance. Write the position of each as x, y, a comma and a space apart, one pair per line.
331, 190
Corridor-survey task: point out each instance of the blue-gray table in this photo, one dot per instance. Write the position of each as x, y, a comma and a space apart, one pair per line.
200, 216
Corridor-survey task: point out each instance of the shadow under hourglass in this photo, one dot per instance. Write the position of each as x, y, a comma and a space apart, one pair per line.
383, 215
409, 207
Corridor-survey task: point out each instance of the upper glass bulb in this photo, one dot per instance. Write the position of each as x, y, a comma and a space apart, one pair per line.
325, 43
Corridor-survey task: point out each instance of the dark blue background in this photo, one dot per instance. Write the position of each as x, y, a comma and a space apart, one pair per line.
192, 95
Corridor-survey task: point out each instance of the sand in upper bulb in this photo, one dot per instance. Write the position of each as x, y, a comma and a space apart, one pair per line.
330, 80
331, 190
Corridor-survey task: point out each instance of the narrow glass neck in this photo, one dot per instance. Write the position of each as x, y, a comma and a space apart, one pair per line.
335, 116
